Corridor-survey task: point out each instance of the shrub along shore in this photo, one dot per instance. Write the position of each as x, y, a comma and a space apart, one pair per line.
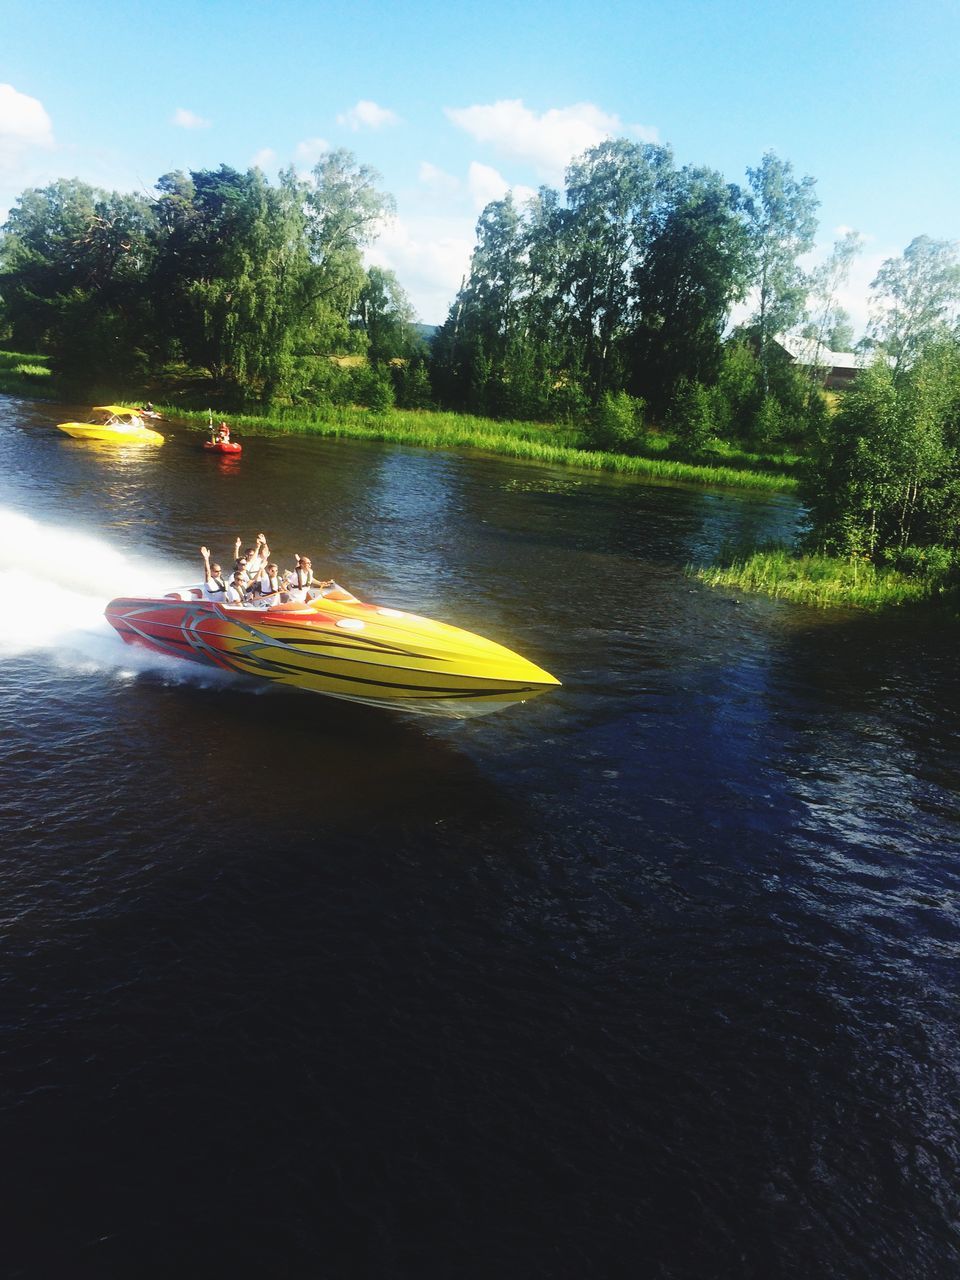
826, 581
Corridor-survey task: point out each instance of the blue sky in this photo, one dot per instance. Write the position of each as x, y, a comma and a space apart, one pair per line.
453, 103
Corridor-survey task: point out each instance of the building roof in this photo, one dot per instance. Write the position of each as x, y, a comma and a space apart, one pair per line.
808, 351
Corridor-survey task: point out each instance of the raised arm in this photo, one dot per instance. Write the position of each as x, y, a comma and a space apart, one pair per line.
205, 553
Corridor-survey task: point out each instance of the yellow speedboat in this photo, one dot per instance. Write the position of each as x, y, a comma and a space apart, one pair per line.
340, 646
112, 422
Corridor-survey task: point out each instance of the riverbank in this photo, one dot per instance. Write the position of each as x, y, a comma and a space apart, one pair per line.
530, 441
654, 456
826, 581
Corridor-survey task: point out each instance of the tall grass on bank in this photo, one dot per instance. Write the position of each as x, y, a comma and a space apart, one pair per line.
824, 581
24, 375
531, 441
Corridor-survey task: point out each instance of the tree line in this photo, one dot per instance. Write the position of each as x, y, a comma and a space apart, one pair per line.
251, 283
624, 286
607, 305
612, 301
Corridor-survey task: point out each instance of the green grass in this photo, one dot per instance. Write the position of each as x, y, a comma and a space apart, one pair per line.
24, 374
530, 441
826, 581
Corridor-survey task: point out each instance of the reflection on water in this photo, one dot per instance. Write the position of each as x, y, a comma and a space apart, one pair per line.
657, 972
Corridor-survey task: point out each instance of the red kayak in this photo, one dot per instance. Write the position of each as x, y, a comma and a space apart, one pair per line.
223, 446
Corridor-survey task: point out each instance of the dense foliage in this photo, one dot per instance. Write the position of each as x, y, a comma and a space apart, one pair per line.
883, 478
250, 282
883, 475
626, 286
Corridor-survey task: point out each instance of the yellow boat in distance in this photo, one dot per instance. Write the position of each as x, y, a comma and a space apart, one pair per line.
113, 423
337, 645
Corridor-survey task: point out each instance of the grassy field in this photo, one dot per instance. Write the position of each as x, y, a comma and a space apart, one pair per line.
825, 581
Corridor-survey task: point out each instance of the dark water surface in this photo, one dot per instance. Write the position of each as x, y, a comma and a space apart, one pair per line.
653, 976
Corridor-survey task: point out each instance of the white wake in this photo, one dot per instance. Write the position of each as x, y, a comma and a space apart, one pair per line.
54, 585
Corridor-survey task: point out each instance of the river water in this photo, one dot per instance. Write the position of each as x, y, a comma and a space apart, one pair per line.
655, 975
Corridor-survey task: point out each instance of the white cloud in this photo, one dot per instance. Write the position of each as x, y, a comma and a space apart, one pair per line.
438, 179
431, 256
23, 121
486, 184
185, 119
367, 115
310, 150
26, 135
547, 141
264, 159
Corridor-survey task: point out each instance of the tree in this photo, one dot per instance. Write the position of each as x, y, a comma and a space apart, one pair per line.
826, 281
885, 473
840, 336
71, 261
470, 352
611, 194
916, 297
231, 275
384, 314
343, 211
695, 266
781, 221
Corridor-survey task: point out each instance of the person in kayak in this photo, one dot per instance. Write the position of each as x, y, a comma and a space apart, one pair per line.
213, 582
223, 434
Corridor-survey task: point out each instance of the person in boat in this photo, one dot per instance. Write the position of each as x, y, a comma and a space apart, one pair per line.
213, 582
253, 559
269, 587
236, 592
301, 578
223, 434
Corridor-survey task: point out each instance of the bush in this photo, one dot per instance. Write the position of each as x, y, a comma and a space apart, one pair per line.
328, 384
691, 416
616, 422
372, 388
941, 564
411, 385
768, 422
567, 403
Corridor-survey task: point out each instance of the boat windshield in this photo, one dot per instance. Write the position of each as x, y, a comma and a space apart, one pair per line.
107, 415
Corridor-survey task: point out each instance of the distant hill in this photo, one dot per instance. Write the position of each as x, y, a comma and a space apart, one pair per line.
426, 331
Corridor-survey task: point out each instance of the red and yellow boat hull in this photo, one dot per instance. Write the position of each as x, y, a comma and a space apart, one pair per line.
341, 648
